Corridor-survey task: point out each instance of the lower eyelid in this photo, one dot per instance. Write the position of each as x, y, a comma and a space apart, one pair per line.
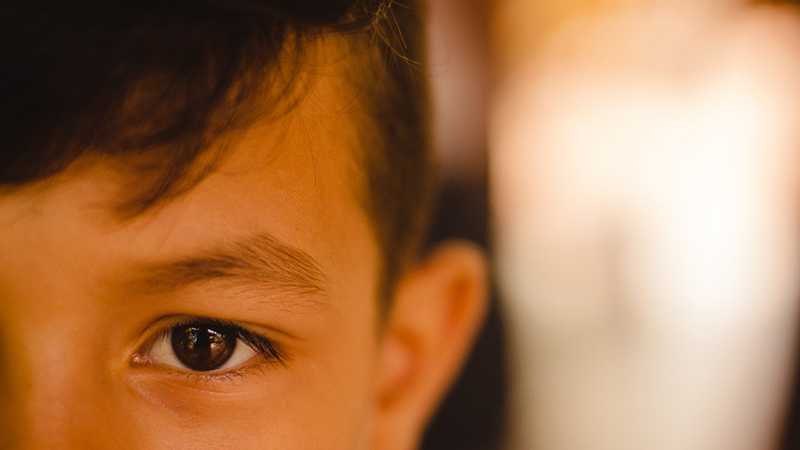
218, 382
235, 374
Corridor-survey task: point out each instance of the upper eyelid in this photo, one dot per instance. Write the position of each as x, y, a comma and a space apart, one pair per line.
242, 331
165, 324
173, 320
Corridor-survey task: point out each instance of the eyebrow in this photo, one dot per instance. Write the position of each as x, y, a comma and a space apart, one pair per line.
257, 260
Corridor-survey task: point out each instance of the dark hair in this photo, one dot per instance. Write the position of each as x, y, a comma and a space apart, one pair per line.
154, 83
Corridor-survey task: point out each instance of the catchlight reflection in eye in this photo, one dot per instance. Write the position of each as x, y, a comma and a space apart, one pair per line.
207, 346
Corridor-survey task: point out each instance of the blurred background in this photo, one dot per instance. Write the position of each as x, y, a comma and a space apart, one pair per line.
634, 168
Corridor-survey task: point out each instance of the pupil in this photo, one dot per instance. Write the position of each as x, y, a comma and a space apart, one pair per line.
203, 347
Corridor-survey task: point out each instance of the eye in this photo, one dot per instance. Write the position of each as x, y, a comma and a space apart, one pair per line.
207, 346
201, 347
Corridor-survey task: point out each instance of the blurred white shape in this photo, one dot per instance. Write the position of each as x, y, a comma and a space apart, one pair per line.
646, 181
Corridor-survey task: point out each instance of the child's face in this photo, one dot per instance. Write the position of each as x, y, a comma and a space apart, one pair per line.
84, 295
275, 242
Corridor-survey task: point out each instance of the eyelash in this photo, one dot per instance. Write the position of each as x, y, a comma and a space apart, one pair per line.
270, 352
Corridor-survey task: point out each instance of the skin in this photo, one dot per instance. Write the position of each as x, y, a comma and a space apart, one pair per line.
82, 292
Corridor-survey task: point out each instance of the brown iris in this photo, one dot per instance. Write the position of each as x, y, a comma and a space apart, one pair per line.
203, 347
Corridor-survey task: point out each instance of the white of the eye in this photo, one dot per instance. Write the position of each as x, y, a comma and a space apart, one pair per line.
161, 353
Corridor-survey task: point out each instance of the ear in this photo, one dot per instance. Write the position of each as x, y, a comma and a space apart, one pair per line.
436, 312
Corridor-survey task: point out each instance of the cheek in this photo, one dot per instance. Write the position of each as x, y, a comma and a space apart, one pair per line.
323, 400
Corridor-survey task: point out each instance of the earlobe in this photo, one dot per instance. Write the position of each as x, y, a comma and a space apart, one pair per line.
437, 309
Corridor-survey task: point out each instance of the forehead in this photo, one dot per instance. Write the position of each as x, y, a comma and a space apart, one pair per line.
315, 97
293, 178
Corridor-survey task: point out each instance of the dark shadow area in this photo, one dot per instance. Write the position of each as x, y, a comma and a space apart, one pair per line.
791, 429
791, 434
472, 416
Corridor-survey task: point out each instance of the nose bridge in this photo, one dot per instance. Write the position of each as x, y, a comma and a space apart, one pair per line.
49, 399
58, 374
52, 376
